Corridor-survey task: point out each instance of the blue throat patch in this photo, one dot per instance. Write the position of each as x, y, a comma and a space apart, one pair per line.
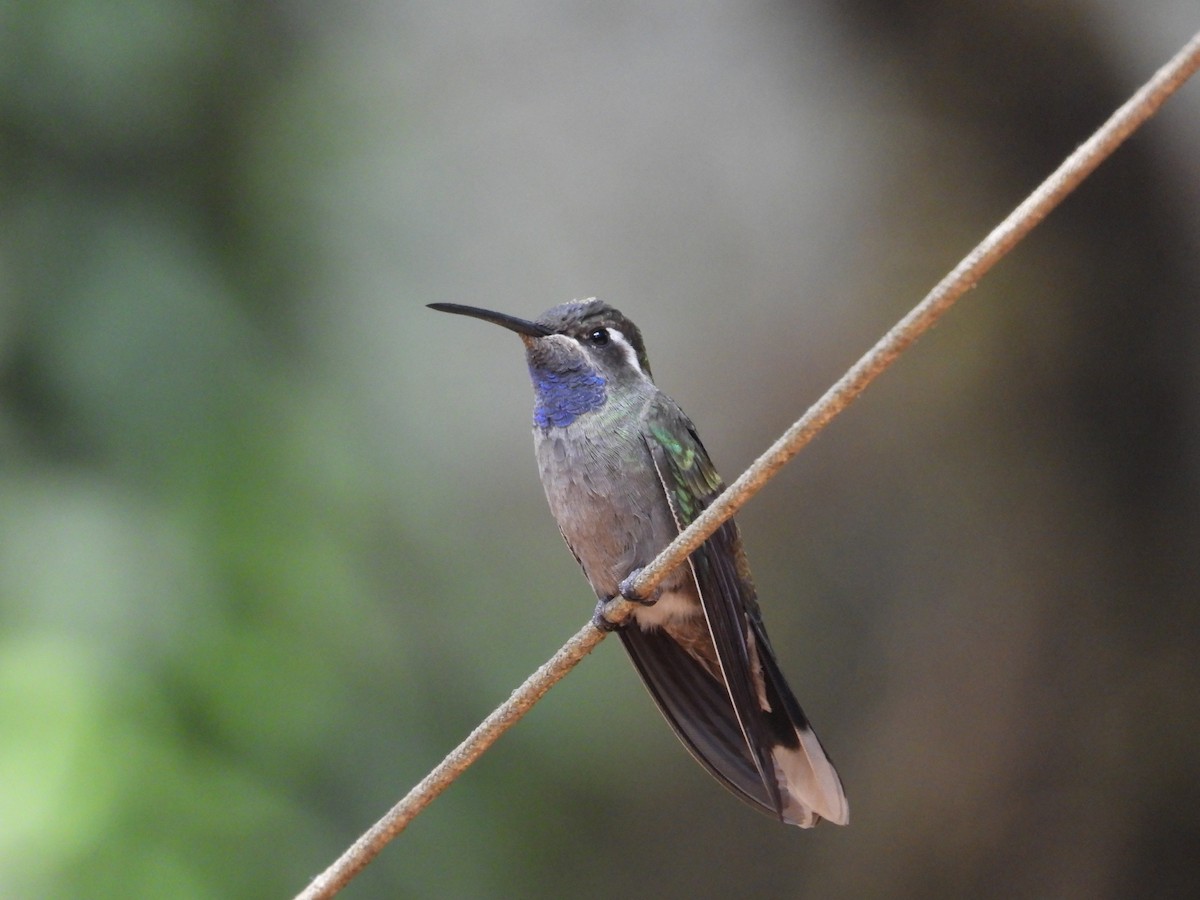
562, 397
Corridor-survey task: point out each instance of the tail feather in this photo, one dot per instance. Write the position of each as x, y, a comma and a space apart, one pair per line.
806, 787
807, 779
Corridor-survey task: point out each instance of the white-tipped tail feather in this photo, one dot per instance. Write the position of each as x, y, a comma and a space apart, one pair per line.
808, 784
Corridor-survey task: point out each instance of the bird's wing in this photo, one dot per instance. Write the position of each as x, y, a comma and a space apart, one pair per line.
697, 707
722, 724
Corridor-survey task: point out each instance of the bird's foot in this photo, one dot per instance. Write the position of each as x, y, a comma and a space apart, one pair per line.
601, 620
626, 590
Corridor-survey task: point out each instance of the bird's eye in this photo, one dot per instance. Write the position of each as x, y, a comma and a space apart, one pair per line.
599, 337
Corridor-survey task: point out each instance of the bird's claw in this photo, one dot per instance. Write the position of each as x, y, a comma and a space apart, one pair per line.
601, 620
626, 590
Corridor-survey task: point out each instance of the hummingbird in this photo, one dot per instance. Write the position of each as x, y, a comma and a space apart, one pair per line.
624, 473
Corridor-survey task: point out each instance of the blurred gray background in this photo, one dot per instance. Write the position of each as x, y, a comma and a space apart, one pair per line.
271, 535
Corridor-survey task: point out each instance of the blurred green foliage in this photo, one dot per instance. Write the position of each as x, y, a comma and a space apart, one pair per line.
179, 550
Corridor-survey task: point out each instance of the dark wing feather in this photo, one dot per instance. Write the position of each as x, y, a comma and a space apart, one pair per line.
697, 707
690, 482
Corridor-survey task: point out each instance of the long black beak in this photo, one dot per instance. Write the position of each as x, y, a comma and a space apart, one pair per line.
512, 323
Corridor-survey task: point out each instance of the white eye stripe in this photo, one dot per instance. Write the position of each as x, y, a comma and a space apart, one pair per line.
627, 348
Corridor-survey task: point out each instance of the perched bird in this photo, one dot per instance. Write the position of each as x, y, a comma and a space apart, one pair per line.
625, 472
